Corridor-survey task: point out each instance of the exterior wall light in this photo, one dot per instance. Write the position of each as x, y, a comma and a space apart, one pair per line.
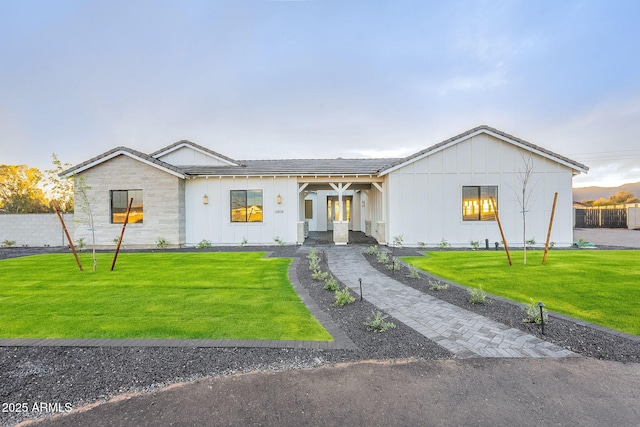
205, 200
279, 199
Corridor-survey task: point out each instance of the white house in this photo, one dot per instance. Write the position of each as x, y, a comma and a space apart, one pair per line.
186, 193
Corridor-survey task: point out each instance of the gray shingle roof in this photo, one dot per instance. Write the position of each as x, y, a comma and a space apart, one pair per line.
307, 167
193, 144
106, 155
461, 136
304, 167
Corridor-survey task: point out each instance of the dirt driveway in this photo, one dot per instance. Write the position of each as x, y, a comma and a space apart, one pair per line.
478, 392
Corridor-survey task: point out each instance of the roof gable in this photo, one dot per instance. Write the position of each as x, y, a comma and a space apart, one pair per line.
577, 167
185, 144
124, 151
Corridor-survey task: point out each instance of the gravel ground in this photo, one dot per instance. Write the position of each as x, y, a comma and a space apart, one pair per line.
80, 376
563, 331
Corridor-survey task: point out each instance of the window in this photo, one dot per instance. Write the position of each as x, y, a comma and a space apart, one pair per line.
476, 203
308, 209
246, 205
120, 203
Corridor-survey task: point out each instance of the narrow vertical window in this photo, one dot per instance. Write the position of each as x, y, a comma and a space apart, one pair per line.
308, 209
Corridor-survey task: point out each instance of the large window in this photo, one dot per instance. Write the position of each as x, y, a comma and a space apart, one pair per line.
120, 203
476, 203
246, 205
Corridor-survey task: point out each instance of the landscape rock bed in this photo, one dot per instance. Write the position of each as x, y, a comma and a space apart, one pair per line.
583, 339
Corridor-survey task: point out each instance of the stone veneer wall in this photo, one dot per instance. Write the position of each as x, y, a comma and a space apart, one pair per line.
163, 204
35, 229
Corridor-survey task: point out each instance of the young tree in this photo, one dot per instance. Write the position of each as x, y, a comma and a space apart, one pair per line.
60, 189
523, 195
19, 191
84, 203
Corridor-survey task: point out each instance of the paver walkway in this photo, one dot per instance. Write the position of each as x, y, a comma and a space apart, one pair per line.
460, 331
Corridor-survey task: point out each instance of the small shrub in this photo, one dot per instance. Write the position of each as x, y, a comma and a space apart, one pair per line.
444, 244
116, 240
314, 264
398, 241
331, 284
243, 243
382, 257
582, 243
422, 245
371, 250
313, 253
477, 296
161, 242
278, 241
81, 243
532, 313
319, 275
343, 297
394, 265
531, 241
8, 243
474, 244
203, 244
436, 285
414, 272
551, 245
377, 323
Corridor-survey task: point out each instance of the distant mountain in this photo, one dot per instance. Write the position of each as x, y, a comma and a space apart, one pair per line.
594, 193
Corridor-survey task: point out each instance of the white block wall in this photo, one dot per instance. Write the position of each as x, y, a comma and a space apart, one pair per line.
633, 218
35, 229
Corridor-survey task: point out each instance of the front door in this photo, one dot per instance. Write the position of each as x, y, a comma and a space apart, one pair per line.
333, 210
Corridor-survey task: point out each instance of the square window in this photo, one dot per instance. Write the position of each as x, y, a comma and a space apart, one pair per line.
476, 203
246, 205
120, 203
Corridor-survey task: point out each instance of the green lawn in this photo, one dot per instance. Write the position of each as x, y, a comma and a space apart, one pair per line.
601, 287
153, 295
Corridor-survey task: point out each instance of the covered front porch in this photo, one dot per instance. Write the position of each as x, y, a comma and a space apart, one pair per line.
338, 207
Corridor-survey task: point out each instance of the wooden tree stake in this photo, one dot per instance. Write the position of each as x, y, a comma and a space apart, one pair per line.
504, 241
64, 227
546, 246
124, 225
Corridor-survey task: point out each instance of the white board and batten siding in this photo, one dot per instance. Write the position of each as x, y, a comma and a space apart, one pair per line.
425, 196
212, 221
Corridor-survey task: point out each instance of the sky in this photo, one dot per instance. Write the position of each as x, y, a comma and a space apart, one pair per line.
320, 79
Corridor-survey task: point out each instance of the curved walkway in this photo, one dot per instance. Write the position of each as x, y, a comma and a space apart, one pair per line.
460, 331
